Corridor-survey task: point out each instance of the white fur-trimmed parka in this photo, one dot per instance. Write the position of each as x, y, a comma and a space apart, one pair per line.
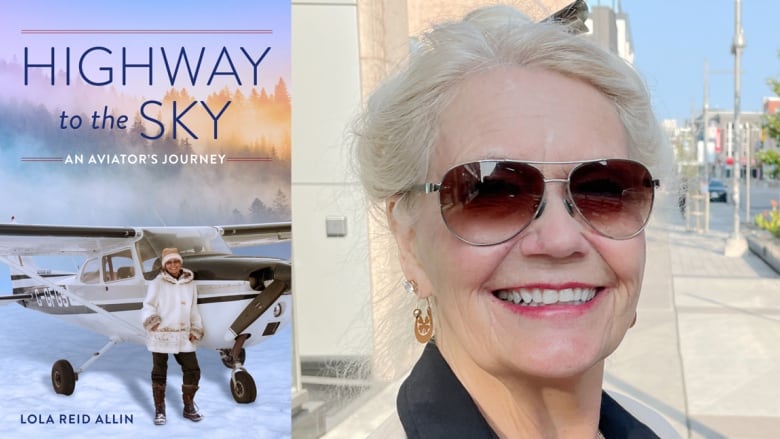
173, 304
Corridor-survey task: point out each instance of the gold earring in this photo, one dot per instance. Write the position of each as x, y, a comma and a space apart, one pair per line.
423, 326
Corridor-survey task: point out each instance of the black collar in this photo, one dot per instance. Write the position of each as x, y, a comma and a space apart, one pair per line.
432, 404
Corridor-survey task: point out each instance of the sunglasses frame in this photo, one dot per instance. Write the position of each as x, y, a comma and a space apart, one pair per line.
429, 188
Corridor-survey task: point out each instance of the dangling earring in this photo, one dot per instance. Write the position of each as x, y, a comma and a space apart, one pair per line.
423, 326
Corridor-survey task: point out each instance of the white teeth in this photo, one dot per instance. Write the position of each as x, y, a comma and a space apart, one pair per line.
540, 297
550, 296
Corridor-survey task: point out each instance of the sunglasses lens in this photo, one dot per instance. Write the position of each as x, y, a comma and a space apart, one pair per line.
614, 196
489, 202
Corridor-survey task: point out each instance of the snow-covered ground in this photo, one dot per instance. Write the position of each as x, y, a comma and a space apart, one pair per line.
117, 387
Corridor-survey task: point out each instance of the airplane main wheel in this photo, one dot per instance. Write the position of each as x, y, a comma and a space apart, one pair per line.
242, 385
63, 379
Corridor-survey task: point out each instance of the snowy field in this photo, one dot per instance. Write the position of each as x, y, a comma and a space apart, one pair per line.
116, 389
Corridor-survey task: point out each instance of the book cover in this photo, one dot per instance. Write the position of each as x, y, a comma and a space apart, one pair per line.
155, 117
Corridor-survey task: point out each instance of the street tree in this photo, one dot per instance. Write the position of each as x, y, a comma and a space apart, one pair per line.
771, 129
770, 157
771, 122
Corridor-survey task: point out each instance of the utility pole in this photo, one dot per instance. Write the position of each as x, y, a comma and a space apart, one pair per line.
737, 245
748, 152
706, 137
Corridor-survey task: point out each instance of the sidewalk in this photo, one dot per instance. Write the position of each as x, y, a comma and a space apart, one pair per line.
706, 348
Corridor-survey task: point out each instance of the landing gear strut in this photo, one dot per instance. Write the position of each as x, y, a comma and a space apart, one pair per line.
242, 386
227, 357
63, 377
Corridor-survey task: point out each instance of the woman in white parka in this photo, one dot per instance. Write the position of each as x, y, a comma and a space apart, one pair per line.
172, 320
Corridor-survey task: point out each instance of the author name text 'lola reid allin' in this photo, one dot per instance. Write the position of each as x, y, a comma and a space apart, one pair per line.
75, 418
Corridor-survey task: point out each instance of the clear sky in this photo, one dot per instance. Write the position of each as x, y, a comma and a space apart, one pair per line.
672, 40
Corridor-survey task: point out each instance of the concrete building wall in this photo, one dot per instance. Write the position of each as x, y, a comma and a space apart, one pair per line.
611, 29
330, 275
625, 46
603, 29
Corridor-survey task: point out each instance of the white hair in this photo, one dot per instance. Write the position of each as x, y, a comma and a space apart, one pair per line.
396, 132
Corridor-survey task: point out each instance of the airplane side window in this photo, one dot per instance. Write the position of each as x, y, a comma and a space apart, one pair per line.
118, 266
91, 272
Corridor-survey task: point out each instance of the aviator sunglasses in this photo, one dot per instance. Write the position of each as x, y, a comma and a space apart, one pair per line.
489, 202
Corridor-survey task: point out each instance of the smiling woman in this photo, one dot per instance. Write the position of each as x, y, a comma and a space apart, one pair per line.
511, 159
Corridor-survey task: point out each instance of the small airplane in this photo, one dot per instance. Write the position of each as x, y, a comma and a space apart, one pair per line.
243, 300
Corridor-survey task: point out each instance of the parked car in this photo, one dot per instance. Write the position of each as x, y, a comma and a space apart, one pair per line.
718, 191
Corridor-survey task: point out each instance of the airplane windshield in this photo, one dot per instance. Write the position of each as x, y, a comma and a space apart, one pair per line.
191, 241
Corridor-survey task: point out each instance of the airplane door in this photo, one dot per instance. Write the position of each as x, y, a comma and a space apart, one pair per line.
120, 276
124, 287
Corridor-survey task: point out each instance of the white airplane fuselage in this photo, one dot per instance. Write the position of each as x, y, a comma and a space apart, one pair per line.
219, 301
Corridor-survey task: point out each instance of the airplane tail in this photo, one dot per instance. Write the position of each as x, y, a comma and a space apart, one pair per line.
19, 280
20, 268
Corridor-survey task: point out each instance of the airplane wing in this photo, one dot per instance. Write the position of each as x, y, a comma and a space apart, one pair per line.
32, 240
247, 235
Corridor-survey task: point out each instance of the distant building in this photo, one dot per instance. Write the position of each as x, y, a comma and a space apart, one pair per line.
771, 107
610, 28
669, 125
721, 150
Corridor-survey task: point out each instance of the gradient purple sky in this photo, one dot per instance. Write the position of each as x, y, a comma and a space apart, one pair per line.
146, 14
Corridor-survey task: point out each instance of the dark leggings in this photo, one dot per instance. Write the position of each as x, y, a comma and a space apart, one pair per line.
188, 362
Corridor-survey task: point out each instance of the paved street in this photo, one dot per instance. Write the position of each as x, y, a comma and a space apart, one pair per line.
706, 348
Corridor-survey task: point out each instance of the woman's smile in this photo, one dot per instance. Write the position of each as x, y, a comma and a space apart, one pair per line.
538, 297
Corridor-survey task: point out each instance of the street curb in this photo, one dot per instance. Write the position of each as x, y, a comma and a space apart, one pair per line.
765, 246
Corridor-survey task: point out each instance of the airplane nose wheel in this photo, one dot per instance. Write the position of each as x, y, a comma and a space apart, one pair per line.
63, 379
242, 386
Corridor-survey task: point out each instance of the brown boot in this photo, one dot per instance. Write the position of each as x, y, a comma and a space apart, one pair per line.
158, 392
188, 396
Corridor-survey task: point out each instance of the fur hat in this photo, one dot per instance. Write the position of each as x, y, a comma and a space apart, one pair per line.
169, 254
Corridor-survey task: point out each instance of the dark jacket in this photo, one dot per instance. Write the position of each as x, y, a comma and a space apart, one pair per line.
432, 404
